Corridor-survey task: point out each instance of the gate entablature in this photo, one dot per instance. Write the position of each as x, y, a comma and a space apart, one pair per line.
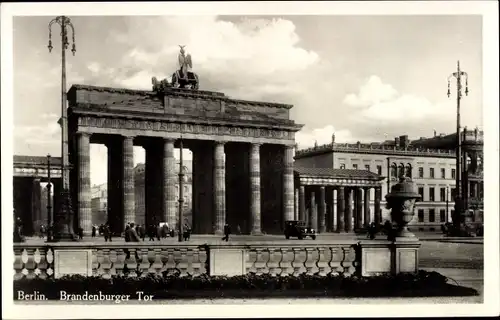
194, 114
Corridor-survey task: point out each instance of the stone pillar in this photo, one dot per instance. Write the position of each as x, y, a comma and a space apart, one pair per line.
84, 191
330, 225
219, 188
128, 181
302, 203
169, 203
255, 203
36, 205
348, 210
313, 220
378, 210
366, 207
322, 210
296, 204
340, 209
359, 208
288, 184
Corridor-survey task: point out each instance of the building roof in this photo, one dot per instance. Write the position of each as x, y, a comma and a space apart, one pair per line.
36, 160
337, 173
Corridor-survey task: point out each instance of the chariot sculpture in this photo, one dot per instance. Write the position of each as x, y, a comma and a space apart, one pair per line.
183, 78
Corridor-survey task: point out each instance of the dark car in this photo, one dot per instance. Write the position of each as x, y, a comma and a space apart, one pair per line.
294, 228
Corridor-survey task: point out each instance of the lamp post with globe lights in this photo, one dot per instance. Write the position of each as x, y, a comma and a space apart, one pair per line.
63, 228
459, 205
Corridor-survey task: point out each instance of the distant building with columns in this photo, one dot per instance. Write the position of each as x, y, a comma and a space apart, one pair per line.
140, 191
430, 162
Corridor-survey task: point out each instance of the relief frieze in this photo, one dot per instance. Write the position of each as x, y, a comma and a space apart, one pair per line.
184, 128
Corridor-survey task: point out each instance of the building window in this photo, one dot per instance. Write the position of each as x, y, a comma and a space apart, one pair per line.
443, 173
432, 215
394, 171
379, 170
420, 215
452, 193
420, 172
452, 212
342, 166
453, 173
421, 193
442, 194
431, 194
431, 172
408, 171
442, 215
367, 167
401, 171
355, 166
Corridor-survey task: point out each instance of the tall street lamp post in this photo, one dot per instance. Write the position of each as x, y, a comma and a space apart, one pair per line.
447, 202
63, 228
49, 204
459, 207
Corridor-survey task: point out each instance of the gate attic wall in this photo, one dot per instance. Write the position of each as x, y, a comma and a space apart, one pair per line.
199, 115
242, 157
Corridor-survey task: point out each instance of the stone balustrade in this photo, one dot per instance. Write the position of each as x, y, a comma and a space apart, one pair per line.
142, 259
374, 148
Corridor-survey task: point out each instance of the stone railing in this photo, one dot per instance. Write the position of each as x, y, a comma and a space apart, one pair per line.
136, 260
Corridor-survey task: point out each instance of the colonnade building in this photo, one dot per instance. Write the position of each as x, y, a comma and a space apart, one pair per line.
430, 162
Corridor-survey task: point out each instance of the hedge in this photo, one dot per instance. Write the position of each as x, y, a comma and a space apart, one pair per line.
170, 286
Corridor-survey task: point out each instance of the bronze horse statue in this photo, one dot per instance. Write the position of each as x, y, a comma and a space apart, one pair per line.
160, 86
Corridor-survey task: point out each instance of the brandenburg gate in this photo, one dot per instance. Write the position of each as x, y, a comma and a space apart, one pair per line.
242, 156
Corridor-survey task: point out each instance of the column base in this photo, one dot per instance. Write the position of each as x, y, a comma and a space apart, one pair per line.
256, 233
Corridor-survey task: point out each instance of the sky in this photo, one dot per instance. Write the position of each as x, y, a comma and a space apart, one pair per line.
364, 78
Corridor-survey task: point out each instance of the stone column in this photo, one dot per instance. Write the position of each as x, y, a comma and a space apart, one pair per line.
255, 204
169, 203
313, 220
322, 210
220, 188
340, 209
348, 209
366, 207
378, 210
302, 203
296, 204
288, 184
84, 191
128, 181
36, 205
359, 208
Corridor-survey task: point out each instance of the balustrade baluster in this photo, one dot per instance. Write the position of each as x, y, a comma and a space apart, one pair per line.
131, 263
154, 258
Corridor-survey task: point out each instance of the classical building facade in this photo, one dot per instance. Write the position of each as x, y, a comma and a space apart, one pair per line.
242, 155
429, 162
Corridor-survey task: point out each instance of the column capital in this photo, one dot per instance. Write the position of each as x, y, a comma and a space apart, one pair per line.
172, 140
84, 133
322, 187
220, 142
127, 136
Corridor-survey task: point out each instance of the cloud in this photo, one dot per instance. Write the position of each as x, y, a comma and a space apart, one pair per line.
306, 139
373, 91
378, 102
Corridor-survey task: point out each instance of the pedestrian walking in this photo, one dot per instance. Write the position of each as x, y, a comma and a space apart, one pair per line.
94, 230
107, 233
227, 232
